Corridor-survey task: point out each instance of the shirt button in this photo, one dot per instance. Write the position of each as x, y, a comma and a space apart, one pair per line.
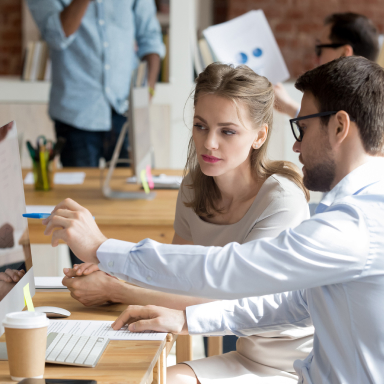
106, 44
110, 264
149, 278
107, 67
101, 22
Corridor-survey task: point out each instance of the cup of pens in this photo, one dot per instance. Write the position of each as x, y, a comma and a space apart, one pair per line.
42, 160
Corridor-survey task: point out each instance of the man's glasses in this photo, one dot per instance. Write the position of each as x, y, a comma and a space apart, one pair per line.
298, 131
319, 47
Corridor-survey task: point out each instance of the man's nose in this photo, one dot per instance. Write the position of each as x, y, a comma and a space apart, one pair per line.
297, 147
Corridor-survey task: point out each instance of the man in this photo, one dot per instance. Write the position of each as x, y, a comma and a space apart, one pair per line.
92, 47
331, 267
343, 34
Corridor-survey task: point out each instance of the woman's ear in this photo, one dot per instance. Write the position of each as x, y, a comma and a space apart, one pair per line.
262, 135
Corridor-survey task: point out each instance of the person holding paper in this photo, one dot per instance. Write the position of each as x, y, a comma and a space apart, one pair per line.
343, 34
330, 266
241, 197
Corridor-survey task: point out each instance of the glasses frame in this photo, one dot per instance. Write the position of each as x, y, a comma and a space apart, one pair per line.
321, 114
318, 47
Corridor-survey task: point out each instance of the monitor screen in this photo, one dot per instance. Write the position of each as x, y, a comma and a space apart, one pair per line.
15, 251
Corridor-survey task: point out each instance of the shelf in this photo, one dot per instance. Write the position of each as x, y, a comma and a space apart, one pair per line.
14, 90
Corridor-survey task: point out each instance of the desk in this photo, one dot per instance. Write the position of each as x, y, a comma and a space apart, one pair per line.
133, 362
129, 220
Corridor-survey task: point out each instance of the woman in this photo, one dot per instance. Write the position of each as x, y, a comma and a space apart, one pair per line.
232, 193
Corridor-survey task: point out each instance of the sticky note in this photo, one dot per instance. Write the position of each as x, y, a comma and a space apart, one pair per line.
28, 299
144, 181
149, 177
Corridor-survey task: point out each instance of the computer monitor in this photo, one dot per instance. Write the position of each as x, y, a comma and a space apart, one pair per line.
139, 133
15, 250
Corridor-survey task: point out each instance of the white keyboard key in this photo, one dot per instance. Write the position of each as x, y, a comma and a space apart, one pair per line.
59, 347
85, 352
53, 343
78, 348
96, 350
68, 348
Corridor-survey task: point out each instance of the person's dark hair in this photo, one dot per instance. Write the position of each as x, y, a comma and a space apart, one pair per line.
354, 85
356, 30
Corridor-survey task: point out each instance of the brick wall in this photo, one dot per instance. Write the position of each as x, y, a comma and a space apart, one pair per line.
10, 37
295, 23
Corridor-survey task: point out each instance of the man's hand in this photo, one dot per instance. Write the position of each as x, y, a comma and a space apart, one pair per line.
84, 269
152, 318
284, 103
74, 224
11, 275
94, 289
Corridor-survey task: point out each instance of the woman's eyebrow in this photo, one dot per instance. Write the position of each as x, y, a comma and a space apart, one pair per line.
200, 118
226, 124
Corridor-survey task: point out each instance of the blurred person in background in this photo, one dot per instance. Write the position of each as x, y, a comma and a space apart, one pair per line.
343, 34
94, 48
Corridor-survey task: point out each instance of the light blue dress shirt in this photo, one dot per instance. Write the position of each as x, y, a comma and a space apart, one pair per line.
92, 68
330, 266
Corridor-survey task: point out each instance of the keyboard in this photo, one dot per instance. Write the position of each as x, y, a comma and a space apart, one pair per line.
84, 351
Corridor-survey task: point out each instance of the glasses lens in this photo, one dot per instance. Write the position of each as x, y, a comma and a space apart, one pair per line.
297, 131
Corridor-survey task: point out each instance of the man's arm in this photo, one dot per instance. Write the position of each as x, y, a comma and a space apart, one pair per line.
72, 15
330, 248
153, 64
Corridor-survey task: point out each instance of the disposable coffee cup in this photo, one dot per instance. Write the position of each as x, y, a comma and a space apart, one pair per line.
26, 337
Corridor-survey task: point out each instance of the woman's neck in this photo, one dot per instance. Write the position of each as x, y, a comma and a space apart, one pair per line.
237, 186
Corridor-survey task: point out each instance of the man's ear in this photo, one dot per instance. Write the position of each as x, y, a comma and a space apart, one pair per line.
347, 50
340, 127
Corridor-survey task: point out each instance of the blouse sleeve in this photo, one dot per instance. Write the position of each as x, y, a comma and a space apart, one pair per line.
183, 213
286, 210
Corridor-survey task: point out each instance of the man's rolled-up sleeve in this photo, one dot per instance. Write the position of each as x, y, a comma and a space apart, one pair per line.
46, 14
148, 31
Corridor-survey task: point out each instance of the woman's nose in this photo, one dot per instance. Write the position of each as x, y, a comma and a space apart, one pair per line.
211, 141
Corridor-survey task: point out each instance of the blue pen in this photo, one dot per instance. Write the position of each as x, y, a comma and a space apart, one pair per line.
38, 215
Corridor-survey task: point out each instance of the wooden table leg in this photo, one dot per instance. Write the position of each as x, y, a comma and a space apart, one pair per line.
215, 345
157, 372
183, 348
163, 366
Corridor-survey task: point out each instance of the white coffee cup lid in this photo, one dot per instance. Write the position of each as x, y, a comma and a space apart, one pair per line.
25, 320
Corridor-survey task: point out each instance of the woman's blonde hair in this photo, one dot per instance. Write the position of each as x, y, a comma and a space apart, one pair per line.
240, 85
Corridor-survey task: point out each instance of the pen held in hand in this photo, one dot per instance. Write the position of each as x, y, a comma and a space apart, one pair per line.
39, 215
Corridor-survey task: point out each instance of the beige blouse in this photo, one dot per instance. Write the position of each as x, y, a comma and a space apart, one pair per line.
279, 204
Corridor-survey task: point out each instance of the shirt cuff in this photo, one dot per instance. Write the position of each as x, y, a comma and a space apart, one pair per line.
55, 35
206, 319
113, 257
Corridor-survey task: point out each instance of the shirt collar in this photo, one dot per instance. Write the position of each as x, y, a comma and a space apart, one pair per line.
360, 178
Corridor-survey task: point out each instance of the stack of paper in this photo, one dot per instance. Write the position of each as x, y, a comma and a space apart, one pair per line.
51, 282
67, 178
162, 181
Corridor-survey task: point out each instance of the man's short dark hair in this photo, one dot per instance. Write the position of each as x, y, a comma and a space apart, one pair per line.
357, 31
354, 85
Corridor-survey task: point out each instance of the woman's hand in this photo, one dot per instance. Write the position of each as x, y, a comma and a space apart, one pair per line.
152, 318
81, 270
74, 224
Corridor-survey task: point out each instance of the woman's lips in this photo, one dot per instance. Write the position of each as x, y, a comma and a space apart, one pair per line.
210, 159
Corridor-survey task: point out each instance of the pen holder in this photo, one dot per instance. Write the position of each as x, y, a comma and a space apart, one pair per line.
43, 175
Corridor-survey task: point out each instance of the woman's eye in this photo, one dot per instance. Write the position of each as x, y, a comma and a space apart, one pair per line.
199, 126
228, 132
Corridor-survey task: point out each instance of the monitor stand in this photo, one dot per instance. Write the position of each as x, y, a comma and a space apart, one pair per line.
105, 187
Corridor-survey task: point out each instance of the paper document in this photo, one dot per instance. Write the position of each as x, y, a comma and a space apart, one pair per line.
100, 328
248, 40
40, 208
51, 282
66, 178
